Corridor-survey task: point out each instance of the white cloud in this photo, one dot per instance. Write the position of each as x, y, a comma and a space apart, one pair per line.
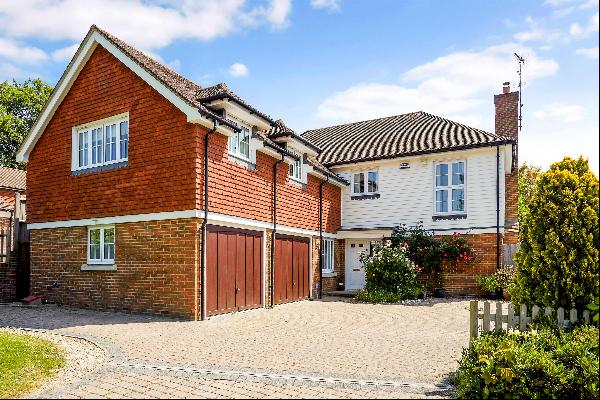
556, 3
578, 31
65, 53
156, 24
560, 112
21, 53
455, 85
589, 52
238, 70
331, 5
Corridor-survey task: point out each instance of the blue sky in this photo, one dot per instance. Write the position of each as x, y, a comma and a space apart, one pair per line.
321, 62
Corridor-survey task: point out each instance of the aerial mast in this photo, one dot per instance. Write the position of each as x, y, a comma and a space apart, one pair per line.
521, 61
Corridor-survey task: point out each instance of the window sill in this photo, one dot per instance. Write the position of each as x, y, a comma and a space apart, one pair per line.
99, 267
329, 274
241, 161
298, 183
108, 167
449, 217
365, 196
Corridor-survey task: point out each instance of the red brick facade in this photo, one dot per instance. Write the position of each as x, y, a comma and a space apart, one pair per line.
156, 263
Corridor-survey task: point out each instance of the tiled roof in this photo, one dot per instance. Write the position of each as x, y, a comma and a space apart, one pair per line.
13, 178
397, 136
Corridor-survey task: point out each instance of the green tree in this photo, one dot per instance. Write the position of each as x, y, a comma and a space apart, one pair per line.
20, 105
528, 176
557, 264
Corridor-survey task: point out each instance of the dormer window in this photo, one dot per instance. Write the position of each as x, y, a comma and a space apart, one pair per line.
101, 143
239, 143
296, 170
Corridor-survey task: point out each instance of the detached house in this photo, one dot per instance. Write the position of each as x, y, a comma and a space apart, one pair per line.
150, 193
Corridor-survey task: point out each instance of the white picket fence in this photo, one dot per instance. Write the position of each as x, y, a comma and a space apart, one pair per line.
487, 321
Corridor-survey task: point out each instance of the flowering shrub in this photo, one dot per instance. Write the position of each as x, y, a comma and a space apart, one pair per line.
428, 251
390, 276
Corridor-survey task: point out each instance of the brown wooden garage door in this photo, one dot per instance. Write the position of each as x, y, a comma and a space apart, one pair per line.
291, 268
233, 270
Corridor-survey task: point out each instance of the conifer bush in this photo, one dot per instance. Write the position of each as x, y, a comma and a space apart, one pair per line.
557, 264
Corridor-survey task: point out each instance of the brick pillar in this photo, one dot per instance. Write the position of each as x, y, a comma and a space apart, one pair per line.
507, 120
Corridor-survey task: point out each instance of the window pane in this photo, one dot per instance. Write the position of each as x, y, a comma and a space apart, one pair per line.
458, 200
441, 175
458, 173
245, 143
94, 244
83, 149
109, 243
97, 146
441, 201
233, 144
328, 255
372, 184
110, 149
359, 183
124, 138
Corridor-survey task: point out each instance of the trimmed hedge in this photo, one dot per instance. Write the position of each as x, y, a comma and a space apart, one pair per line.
547, 363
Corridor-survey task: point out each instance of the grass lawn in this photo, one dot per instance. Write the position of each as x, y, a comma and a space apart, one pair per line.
25, 362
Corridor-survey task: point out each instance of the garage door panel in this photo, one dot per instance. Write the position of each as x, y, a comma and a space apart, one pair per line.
234, 269
291, 268
212, 282
257, 244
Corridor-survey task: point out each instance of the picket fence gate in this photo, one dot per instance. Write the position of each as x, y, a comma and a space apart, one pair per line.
516, 319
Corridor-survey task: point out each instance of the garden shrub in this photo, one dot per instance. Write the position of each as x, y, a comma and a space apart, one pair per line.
547, 363
557, 264
390, 276
428, 251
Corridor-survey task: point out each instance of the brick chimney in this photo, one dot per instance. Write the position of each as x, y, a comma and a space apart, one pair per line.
507, 125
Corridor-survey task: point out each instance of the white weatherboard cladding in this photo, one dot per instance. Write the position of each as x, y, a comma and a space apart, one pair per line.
407, 195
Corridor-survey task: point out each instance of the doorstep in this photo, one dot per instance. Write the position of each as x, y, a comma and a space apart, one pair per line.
342, 293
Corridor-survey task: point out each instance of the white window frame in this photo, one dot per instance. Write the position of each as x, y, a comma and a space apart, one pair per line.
448, 188
102, 259
295, 172
365, 175
328, 256
86, 131
236, 138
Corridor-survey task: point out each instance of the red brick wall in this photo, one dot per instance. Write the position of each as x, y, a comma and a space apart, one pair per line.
243, 192
156, 264
160, 175
507, 120
7, 198
8, 282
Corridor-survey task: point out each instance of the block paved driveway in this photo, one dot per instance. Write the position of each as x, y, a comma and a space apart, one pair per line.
311, 349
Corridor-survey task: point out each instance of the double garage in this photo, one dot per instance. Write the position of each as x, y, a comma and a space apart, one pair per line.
235, 275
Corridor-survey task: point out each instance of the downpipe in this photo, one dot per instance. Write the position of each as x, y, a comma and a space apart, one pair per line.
272, 275
497, 207
321, 254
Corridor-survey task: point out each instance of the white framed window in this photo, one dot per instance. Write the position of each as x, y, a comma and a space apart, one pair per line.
239, 143
449, 195
328, 265
296, 170
101, 142
365, 183
101, 245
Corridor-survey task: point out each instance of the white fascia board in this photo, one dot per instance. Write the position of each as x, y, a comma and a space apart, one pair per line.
235, 110
213, 218
64, 85
297, 145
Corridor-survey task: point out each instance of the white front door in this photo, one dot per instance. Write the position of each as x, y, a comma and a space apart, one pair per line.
355, 270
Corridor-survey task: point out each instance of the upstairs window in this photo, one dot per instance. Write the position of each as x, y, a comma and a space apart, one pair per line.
365, 183
450, 187
296, 170
239, 143
101, 142
101, 245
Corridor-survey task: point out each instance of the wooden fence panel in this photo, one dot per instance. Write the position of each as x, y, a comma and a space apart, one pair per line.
520, 320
